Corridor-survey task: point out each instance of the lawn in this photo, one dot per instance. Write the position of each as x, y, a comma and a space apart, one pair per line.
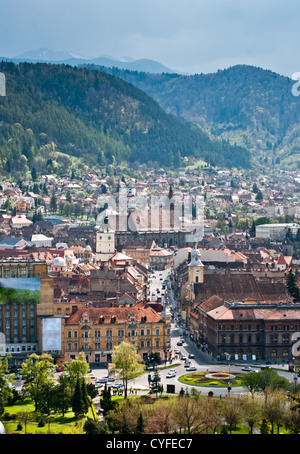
54, 424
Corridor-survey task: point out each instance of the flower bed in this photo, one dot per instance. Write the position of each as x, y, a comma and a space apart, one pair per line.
213, 378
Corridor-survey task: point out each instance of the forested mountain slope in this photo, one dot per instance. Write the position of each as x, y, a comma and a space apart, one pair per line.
249, 106
97, 118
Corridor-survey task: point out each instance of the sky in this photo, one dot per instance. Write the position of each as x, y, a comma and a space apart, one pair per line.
189, 36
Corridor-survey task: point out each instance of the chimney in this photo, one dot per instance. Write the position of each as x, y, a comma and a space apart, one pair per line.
74, 309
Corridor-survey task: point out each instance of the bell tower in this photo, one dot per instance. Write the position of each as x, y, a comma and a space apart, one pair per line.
196, 269
105, 242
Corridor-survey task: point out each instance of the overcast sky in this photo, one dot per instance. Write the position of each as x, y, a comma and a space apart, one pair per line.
190, 36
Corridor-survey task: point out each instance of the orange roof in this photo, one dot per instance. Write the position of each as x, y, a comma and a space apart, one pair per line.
121, 314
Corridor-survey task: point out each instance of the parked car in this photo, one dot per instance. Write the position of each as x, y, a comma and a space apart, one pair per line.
191, 356
179, 343
102, 380
117, 385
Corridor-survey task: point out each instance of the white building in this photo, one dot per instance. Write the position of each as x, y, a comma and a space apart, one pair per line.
41, 240
274, 231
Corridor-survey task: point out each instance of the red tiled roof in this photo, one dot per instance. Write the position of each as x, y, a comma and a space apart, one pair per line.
121, 313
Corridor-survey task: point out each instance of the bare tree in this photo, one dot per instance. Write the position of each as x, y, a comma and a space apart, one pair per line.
276, 408
232, 412
252, 409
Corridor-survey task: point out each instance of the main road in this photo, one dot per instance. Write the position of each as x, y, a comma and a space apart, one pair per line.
160, 287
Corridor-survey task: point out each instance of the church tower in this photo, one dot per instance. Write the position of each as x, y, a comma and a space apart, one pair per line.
105, 242
196, 269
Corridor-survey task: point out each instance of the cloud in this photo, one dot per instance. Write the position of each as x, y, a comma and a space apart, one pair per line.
194, 36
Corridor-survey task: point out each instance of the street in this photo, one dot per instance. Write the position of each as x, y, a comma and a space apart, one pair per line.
160, 289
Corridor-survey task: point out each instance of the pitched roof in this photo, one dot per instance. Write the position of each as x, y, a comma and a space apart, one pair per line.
239, 287
121, 313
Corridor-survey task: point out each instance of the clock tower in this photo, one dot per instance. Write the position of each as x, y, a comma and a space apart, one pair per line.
105, 242
196, 269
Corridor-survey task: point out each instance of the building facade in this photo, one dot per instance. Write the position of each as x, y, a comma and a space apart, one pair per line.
240, 331
96, 331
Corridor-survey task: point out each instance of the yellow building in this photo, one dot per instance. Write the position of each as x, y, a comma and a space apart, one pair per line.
142, 254
96, 331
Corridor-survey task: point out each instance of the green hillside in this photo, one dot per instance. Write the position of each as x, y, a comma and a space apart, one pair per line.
246, 105
55, 115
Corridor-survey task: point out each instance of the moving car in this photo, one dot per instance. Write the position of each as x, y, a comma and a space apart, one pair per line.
191, 368
248, 369
171, 374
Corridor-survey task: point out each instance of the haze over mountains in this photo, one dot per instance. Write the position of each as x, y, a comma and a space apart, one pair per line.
70, 58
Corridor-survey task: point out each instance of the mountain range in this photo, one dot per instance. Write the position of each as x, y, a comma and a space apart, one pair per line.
243, 107
247, 105
56, 118
45, 55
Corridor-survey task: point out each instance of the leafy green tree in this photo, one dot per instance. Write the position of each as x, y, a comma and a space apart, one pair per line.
291, 284
62, 397
128, 364
53, 203
77, 369
78, 406
37, 370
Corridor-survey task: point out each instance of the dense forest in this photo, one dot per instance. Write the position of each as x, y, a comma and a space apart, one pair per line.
86, 116
248, 106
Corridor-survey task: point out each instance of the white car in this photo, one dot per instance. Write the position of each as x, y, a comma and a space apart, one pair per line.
248, 369
191, 368
171, 375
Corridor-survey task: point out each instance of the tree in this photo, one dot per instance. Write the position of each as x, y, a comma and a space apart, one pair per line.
77, 369
37, 371
53, 203
269, 380
155, 386
259, 195
232, 413
5, 388
251, 382
128, 364
78, 406
188, 414
62, 397
275, 408
291, 284
252, 411
85, 396
161, 419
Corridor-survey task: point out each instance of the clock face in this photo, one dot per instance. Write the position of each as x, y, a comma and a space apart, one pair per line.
197, 271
